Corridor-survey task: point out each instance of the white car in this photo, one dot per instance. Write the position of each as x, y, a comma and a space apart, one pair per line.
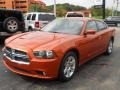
37, 20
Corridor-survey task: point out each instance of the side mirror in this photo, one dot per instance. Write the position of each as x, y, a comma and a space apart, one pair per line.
90, 32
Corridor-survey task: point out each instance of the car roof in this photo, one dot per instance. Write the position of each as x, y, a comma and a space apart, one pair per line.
40, 13
80, 18
14, 10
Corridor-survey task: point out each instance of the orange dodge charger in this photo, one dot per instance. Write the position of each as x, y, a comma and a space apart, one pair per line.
59, 48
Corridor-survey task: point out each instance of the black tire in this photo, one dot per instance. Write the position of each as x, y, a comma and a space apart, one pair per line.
109, 48
62, 76
30, 29
118, 24
2, 40
14, 22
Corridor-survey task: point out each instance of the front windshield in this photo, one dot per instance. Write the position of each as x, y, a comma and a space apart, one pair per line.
65, 26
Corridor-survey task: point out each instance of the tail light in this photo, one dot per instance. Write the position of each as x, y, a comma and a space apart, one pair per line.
37, 24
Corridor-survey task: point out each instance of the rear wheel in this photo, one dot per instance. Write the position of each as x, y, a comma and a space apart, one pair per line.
109, 48
68, 66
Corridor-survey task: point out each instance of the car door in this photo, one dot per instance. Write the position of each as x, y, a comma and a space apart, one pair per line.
27, 20
33, 20
94, 39
89, 46
103, 34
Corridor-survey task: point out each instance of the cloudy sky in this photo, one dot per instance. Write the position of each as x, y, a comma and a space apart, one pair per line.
85, 3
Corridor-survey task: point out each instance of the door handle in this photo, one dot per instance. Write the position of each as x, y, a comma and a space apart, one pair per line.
99, 37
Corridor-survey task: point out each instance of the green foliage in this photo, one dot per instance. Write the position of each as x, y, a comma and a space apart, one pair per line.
117, 13
97, 12
35, 8
62, 9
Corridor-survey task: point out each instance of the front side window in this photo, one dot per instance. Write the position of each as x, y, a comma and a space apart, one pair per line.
34, 16
29, 17
65, 26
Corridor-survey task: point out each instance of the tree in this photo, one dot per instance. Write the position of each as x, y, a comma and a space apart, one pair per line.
35, 8
97, 12
62, 9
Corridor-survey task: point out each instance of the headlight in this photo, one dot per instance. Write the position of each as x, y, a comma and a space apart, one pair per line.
44, 54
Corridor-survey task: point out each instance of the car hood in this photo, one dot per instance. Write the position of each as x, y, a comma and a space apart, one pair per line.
35, 39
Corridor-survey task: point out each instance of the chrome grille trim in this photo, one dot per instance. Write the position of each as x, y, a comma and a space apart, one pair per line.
20, 58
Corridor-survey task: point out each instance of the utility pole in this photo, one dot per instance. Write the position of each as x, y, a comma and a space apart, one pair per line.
103, 6
117, 6
55, 8
113, 8
36, 2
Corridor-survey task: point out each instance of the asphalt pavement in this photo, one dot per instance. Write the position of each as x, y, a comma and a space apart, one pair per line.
101, 73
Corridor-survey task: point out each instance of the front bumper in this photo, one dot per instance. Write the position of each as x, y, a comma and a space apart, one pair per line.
45, 69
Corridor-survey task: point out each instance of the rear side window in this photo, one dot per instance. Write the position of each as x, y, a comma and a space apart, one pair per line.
46, 17
34, 16
29, 17
91, 25
101, 25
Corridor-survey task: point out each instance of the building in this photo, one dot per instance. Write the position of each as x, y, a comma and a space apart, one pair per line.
22, 5
40, 3
86, 13
6, 4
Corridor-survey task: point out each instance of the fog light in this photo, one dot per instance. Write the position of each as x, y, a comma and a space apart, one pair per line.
44, 74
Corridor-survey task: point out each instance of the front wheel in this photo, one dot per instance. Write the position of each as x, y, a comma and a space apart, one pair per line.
30, 29
109, 48
68, 66
11, 25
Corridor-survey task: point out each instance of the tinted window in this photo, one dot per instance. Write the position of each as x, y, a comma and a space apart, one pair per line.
65, 26
115, 18
29, 17
101, 25
91, 25
74, 15
34, 16
46, 17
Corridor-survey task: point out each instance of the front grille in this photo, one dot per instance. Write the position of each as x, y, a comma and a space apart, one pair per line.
16, 55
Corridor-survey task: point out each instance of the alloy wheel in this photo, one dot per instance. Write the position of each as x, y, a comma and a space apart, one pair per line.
69, 67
